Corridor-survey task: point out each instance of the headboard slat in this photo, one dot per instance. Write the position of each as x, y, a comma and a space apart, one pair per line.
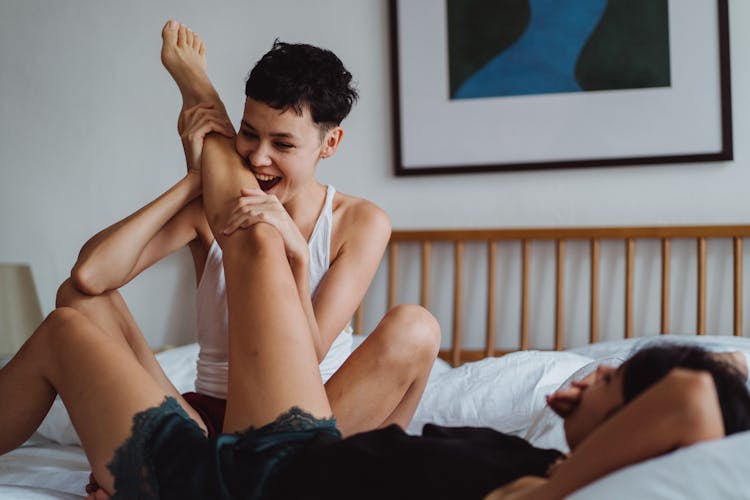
594, 236
666, 259
392, 274
424, 293
559, 294
525, 258
457, 302
700, 327
738, 287
491, 259
594, 300
629, 257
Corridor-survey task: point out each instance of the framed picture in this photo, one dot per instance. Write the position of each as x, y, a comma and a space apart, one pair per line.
497, 85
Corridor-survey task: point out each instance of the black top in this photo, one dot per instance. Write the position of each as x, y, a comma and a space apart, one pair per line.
443, 463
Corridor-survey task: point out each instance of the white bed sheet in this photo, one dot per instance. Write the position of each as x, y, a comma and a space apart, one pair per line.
503, 393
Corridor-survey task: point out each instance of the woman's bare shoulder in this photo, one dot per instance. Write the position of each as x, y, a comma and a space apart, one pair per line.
355, 218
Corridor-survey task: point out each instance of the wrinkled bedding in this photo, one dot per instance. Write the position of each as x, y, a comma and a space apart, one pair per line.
504, 393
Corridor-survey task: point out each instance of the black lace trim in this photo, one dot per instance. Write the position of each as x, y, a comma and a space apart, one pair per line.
293, 420
131, 467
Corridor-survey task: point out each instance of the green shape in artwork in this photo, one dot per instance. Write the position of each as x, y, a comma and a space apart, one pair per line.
628, 49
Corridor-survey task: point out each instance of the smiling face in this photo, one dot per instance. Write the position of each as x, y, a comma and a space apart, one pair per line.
282, 148
600, 398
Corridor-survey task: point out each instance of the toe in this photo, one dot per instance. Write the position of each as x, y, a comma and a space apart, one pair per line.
181, 35
169, 33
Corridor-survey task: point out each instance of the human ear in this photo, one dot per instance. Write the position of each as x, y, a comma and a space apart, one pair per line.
331, 142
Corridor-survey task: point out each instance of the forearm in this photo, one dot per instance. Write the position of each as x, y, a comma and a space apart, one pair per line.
107, 260
680, 410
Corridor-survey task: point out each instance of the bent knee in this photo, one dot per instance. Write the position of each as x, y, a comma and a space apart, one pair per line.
56, 328
67, 294
414, 328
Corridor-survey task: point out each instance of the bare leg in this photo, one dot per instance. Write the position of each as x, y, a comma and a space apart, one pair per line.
272, 360
111, 315
382, 382
183, 54
100, 381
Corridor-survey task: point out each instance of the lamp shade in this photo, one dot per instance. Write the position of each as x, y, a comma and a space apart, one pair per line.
20, 312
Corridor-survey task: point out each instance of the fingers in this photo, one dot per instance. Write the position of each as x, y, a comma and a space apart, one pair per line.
580, 384
198, 115
252, 207
197, 132
94, 491
252, 192
246, 215
93, 485
564, 401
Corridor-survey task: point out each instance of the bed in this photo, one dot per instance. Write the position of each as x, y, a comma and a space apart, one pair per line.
523, 312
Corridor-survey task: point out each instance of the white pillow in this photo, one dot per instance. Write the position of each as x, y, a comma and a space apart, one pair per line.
712, 469
501, 393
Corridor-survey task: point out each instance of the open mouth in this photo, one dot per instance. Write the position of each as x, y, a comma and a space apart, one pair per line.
266, 182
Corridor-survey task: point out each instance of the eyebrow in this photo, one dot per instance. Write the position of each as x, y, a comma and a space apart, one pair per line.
282, 135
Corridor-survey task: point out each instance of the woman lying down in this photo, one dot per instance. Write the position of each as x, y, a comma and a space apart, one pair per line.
281, 439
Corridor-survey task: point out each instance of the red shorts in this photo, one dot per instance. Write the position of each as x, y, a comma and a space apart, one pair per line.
210, 409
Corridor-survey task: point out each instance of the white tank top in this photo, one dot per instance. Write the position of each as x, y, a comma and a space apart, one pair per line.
212, 317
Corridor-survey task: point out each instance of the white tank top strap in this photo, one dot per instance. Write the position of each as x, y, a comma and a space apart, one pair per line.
320, 241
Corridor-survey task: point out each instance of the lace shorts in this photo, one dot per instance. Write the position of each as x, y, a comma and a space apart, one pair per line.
168, 456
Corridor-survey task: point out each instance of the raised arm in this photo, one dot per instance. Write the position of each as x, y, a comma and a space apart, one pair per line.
120, 252
680, 410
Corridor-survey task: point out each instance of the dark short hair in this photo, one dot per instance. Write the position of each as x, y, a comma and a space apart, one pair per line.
648, 365
294, 75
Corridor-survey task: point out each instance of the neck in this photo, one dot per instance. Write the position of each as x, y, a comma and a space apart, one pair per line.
305, 207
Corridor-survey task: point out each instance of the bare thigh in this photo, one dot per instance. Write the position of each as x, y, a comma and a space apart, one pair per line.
272, 360
101, 383
110, 313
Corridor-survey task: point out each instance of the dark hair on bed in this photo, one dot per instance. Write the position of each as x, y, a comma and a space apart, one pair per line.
294, 75
650, 364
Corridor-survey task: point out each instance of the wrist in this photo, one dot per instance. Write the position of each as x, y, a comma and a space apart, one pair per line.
194, 183
300, 262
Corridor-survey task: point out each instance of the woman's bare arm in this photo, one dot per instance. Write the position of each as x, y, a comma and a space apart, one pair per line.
120, 252
680, 410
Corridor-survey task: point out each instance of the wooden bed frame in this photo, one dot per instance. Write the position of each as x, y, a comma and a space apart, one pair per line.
526, 238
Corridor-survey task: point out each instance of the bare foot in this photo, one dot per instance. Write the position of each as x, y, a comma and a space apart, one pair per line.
183, 53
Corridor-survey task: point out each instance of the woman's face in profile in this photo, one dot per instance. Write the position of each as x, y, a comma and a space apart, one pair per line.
601, 396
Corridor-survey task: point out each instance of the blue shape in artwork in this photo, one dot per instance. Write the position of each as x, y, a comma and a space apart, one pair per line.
543, 60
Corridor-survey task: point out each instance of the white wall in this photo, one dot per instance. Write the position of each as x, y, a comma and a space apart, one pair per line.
87, 135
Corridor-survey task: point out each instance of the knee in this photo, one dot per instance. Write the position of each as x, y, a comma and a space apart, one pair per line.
411, 331
67, 294
54, 332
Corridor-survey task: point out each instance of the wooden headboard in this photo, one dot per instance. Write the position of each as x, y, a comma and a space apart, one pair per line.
593, 236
